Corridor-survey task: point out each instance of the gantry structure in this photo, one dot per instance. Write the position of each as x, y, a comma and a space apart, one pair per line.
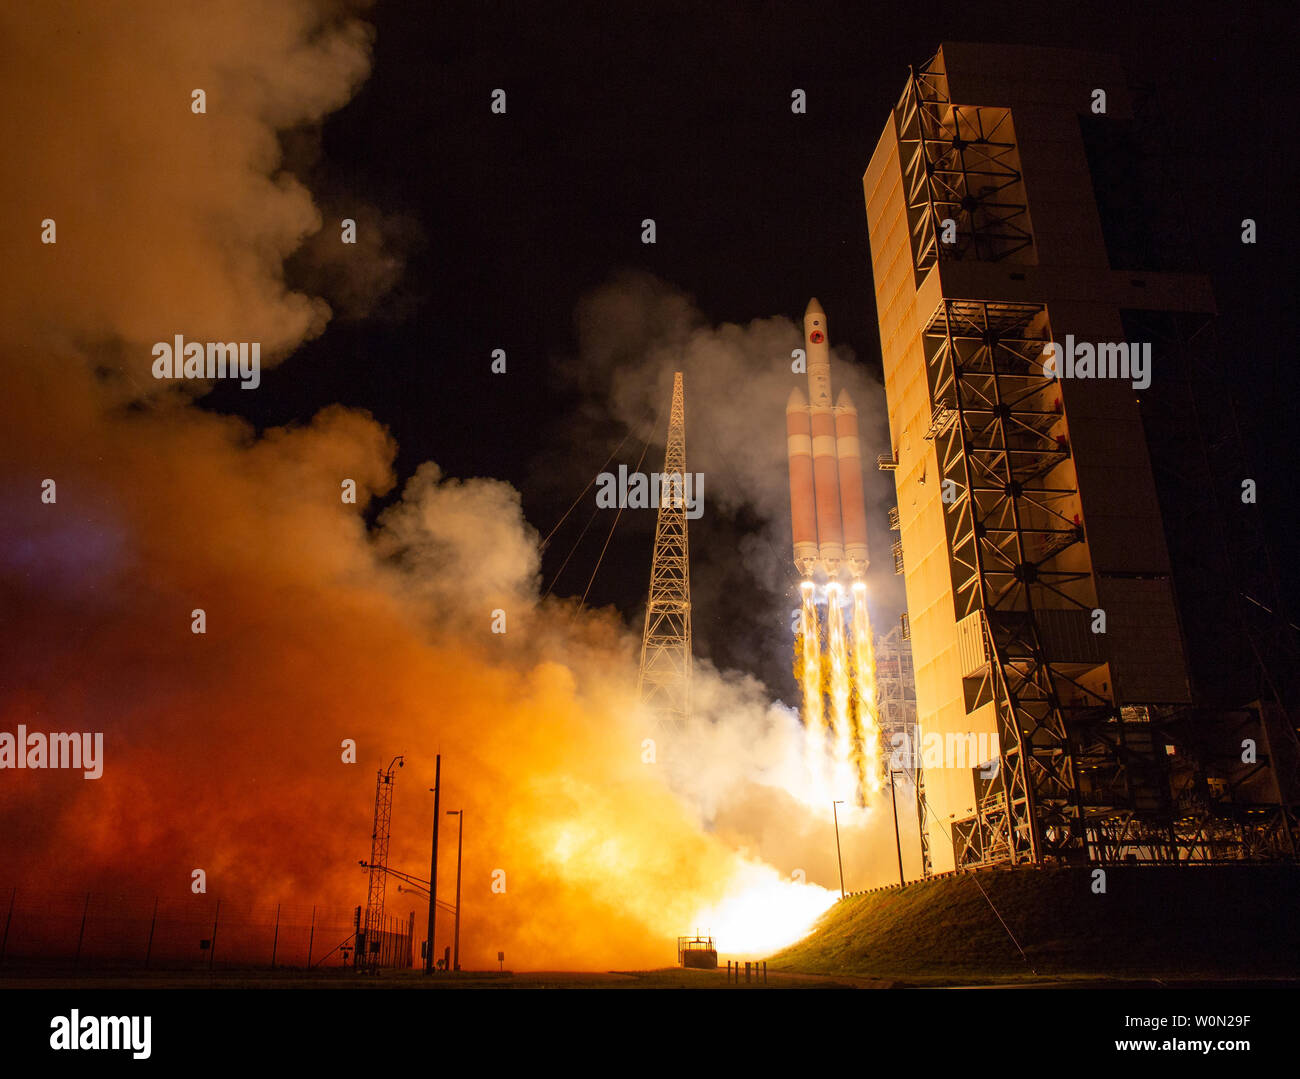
664, 683
382, 831
1032, 520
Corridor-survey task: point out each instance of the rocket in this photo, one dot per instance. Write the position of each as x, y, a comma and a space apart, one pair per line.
827, 508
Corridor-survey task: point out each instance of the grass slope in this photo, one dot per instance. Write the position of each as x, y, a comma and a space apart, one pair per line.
1203, 921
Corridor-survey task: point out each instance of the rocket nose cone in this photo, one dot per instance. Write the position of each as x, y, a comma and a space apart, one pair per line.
814, 323
796, 400
844, 402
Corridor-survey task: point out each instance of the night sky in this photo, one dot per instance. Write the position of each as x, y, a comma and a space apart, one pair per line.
682, 113
204, 595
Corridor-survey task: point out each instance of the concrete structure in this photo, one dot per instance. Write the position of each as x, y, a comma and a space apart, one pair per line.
1039, 587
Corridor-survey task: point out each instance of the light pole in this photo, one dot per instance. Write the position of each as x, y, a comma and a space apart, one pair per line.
433, 867
460, 843
839, 857
898, 843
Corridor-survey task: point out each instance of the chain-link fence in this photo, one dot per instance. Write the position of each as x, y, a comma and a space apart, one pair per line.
85, 931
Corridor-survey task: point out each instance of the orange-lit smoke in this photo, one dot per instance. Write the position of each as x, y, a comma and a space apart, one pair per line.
226, 751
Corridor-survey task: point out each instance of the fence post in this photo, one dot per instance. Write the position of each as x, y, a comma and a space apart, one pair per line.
212, 951
76, 963
148, 952
275, 941
4, 945
311, 939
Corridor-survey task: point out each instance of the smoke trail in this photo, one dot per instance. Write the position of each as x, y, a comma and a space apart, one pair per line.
634, 331
330, 644
225, 750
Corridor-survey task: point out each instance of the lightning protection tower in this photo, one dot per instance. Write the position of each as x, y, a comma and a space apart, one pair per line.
664, 685
378, 865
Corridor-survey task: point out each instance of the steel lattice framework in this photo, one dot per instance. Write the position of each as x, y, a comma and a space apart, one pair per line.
664, 684
960, 164
379, 837
999, 450
922, 812
1080, 779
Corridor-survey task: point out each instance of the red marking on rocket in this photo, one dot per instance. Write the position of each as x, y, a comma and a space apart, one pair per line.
827, 508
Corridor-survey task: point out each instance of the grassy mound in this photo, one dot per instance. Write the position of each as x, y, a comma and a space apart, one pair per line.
1158, 921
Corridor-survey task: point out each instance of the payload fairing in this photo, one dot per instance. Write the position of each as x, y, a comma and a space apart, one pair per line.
826, 500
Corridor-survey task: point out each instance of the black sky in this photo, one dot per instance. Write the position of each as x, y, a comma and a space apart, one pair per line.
680, 112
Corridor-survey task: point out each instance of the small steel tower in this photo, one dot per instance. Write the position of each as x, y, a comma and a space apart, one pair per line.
664, 685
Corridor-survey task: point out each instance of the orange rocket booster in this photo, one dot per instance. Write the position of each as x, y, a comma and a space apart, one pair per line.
827, 508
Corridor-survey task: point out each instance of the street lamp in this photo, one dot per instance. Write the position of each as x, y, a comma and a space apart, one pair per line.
460, 838
839, 857
433, 867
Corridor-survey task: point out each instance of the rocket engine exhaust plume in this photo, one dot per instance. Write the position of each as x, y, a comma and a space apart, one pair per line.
871, 760
808, 671
828, 516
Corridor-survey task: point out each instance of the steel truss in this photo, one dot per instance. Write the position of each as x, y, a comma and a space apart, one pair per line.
1081, 778
922, 815
1078, 774
664, 684
378, 882
960, 164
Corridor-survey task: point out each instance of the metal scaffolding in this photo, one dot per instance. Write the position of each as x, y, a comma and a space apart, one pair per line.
960, 166
664, 684
922, 815
1082, 777
372, 927
1013, 514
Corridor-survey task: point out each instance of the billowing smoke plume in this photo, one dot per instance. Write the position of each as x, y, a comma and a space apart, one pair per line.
634, 332
226, 751
744, 770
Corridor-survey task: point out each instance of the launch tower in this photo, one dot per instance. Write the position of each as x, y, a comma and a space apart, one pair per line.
1044, 591
664, 685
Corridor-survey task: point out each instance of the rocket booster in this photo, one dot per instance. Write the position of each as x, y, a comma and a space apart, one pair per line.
827, 508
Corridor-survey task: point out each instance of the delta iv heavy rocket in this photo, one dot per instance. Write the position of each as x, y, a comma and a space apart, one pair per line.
827, 507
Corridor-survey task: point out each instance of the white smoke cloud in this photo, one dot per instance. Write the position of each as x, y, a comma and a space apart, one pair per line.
636, 330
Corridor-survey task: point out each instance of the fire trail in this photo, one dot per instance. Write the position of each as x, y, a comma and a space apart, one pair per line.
834, 655
843, 749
